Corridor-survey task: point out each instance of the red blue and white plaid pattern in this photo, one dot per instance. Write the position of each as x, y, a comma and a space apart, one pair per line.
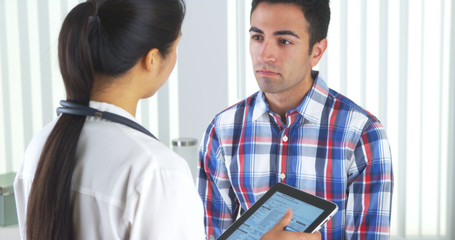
329, 147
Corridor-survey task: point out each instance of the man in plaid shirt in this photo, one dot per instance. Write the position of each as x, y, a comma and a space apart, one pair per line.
297, 131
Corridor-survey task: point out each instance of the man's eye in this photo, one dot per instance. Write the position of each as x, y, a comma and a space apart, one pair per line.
285, 42
256, 37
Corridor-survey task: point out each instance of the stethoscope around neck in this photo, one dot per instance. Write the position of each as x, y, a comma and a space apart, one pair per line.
72, 108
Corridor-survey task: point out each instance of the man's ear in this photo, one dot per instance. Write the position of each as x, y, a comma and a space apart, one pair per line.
152, 59
318, 50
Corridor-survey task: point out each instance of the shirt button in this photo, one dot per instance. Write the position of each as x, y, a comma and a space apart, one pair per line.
282, 176
285, 138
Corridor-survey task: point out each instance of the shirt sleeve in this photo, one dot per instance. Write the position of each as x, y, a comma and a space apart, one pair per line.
220, 203
370, 189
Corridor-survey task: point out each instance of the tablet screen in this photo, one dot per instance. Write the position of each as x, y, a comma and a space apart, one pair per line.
271, 213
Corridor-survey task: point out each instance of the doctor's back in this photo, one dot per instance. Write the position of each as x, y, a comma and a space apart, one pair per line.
90, 177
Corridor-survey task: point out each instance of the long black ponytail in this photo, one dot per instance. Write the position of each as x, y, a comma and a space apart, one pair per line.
97, 37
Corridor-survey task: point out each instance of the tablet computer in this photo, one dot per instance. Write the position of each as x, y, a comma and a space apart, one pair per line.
309, 213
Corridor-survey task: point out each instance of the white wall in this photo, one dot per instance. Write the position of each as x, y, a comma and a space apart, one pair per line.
202, 72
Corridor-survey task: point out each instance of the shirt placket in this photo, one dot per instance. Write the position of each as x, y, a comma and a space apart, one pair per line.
283, 154
284, 141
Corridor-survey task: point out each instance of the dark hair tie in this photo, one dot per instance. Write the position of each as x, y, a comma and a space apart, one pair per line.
91, 19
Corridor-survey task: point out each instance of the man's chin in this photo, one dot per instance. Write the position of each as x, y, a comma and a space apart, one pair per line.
268, 89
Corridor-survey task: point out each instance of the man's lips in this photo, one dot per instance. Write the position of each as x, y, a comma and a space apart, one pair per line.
266, 73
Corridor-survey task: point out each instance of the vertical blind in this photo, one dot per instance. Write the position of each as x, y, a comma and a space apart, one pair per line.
394, 58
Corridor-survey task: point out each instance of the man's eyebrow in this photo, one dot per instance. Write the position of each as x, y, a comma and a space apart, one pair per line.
277, 33
255, 29
286, 32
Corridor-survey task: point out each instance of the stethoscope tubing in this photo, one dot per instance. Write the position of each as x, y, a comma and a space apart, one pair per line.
73, 108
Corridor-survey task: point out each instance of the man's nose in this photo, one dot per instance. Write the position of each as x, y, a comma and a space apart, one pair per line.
267, 52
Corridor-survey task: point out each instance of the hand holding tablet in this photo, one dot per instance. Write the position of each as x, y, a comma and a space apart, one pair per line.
309, 213
278, 232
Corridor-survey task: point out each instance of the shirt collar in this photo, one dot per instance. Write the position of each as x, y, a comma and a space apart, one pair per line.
313, 104
107, 107
311, 107
260, 107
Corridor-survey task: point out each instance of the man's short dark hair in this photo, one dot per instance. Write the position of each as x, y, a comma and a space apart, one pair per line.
316, 12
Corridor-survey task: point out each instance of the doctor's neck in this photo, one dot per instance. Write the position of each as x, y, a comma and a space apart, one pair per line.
119, 91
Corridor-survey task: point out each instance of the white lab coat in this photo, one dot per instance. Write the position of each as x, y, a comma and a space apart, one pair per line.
126, 185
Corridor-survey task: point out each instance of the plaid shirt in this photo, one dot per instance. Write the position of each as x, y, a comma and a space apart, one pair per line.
329, 147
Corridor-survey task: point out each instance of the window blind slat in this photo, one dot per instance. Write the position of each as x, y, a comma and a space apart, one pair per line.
45, 59
403, 102
420, 112
363, 53
383, 70
241, 49
451, 139
441, 122
7, 131
343, 46
353, 60
25, 70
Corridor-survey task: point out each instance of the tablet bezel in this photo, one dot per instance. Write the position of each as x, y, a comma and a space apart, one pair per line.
329, 208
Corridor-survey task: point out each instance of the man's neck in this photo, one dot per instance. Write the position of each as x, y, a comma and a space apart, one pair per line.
282, 102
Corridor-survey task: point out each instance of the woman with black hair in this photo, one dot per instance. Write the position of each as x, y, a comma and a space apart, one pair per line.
95, 177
